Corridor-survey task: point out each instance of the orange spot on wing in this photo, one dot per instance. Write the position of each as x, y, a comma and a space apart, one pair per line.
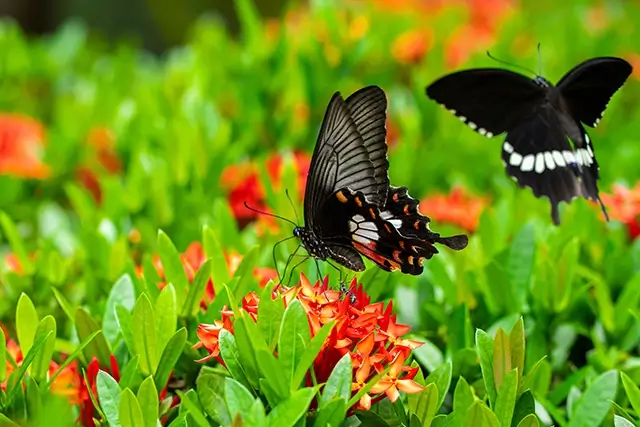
396, 256
406, 209
416, 224
386, 226
358, 202
395, 197
373, 214
341, 197
369, 252
410, 259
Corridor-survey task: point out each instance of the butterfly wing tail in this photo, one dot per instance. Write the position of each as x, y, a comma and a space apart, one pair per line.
456, 243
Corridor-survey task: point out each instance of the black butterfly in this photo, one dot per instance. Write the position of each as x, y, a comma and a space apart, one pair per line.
546, 147
349, 207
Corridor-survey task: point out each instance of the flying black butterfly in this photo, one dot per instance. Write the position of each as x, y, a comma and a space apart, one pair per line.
546, 147
349, 207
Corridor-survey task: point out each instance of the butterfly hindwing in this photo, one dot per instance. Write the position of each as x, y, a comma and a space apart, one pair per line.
588, 87
489, 100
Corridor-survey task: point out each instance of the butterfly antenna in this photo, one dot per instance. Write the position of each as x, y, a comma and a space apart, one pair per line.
269, 214
539, 61
510, 64
295, 211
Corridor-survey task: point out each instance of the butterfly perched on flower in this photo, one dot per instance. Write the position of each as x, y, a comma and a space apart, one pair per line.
349, 207
546, 147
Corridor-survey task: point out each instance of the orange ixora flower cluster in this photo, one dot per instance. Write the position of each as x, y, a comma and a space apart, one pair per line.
242, 183
21, 145
193, 258
367, 332
458, 208
101, 158
623, 204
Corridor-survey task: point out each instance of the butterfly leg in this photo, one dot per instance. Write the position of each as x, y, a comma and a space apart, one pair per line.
284, 273
294, 268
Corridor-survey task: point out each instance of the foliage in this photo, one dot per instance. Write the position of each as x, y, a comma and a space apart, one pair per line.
124, 239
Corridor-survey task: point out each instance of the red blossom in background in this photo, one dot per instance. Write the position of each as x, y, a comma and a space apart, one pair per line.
193, 258
242, 183
411, 46
101, 159
21, 146
87, 410
458, 208
623, 204
367, 332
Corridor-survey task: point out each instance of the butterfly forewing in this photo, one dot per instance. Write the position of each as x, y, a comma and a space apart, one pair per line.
489, 100
368, 108
588, 87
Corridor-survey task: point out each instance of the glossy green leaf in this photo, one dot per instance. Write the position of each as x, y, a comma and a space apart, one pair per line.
506, 399
125, 321
169, 357
109, 397
529, 421
130, 375
463, 396
173, 269
192, 404
40, 367
215, 251
26, 322
520, 263
428, 404
479, 415
270, 318
246, 282
129, 410
595, 402
256, 415
517, 346
211, 389
339, 383
166, 316
145, 340
632, 390
231, 357
289, 411
525, 406
239, 400
20, 373
148, 399
247, 353
619, 421
332, 413
98, 346
3, 356
123, 293
197, 290
309, 355
64, 304
484, 347
441, 377
501, 357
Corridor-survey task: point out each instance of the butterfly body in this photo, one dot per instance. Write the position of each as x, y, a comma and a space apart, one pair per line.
350, 209
546, 146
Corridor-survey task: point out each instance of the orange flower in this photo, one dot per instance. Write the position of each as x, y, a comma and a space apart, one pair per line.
623, 205
411, 46
101, 159
634, 60
456, 208
367, 332
242, 183
21, 144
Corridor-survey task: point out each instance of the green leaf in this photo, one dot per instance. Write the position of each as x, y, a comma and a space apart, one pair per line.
33, 398
479, 415
517, 345
529, 421
525, 406
231, 357
595, 403
169, 358
211, 394
506, 399
246, 352
632, 390
166, 316
441, 377
271, 370
484, 347
122, 293
130, 374
98, 346
196, 290
40, 367
250, 23
173, 269
270, 318
289, 411
17, 245
124, 318
4, 421
215, 251
463, 397
64, 304
294, 336
603, 298
239, 399
19, 374
520, 263
148, 399
566, 267
246, 282
339, 383
501, 357
3, 356
129, 410
190, 402
331, 413
109, 397
619, 421
371, 419
26, 322
256, 416
427, 404
145, 341
309, 355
